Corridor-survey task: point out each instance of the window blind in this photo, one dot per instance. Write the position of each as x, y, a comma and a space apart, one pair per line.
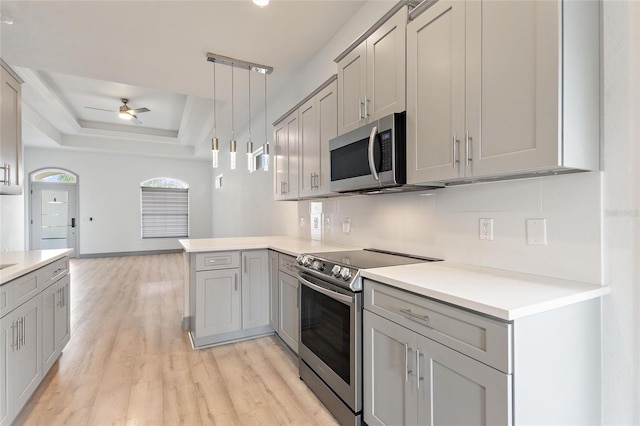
165, 212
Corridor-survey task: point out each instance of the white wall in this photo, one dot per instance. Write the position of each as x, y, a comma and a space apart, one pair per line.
109, 192
444, 224
621, 218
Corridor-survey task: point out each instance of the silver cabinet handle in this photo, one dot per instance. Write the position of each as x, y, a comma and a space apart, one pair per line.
413, 315
418, 355
468, 141
360, 105
406, 363
372, 166
366, 107
454, 147
14, 340
236, 281
23, 333
7, 174
57, 271
245, 265
64, 297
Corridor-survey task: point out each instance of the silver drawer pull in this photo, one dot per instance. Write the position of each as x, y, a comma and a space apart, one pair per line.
413, 315
57, 271
211, 260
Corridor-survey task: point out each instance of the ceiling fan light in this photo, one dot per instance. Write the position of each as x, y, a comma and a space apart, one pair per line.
261, 3
125, 115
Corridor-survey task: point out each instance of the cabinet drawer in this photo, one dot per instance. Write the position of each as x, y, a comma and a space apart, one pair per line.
287, 264
220, 260
50, 273
487, 340
24, 288
6, 298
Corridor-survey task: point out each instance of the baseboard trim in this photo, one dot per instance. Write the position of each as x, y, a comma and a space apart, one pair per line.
129, 253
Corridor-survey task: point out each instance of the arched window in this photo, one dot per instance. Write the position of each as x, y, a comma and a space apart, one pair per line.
164, 211
53, 175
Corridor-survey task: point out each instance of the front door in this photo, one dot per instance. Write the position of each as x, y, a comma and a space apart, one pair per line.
54, 219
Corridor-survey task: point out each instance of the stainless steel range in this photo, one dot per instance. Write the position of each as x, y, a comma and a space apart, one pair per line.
330, 347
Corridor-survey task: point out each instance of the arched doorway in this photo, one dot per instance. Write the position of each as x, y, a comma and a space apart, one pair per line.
53, 210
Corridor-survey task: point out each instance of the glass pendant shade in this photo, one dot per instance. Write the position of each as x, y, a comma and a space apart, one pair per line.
265, 157
250, 156
214, 152
232, 153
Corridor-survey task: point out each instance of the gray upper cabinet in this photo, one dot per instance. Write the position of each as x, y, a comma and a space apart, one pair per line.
10, 131
371, 77
502, 89
318, 124
286, 158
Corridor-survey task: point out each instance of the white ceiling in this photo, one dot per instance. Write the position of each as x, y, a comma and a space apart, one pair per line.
74, 54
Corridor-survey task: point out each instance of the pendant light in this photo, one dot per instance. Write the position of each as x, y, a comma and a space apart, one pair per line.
250, 143
265, 147
232, 147
214, 141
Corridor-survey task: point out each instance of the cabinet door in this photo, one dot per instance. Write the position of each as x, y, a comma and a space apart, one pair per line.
454, 389
255, 288
436, 93
327, 107
63, 314
389, 395
10, 134
288, 328
26, 362
352, 85
217, 302
7, 339
291, 131
513, 75
274, 302
386, 58
309, 145
50, 300
280, 155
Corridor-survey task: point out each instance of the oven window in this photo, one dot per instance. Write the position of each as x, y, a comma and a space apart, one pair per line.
325, 330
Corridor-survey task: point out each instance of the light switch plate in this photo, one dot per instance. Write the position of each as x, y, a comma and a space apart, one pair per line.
346, 226
537, 232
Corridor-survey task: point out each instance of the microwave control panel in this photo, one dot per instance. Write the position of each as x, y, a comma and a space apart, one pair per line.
386, 150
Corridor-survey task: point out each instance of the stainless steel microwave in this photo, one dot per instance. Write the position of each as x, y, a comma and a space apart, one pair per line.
371, 157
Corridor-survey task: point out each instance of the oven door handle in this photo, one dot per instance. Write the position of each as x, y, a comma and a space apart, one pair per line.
372, 166
332, 294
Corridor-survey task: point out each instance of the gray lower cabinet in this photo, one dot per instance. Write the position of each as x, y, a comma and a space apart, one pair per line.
229, 296
218, 299
55, 321
410, 379
288, 326
431, 363
274, 298
34, 328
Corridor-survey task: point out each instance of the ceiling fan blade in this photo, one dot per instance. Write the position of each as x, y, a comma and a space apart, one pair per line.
138, 110
100, 109
135, 120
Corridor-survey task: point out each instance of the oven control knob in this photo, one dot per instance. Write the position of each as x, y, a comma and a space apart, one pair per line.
345, 273
317, 265
299, 259
306, 261
336, 270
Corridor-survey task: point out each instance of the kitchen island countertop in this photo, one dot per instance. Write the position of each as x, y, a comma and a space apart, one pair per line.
289, 245
23, 262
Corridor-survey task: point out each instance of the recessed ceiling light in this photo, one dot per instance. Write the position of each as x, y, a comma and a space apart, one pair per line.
261, 3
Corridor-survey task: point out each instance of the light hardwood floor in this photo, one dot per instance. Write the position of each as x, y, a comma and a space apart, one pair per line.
128, 361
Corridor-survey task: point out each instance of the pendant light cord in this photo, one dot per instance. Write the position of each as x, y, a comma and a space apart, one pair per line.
214, 100
265, 108
232, 129
249, 105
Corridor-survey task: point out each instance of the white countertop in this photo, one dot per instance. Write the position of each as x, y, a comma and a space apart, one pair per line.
503, 294
24, 262
289, 245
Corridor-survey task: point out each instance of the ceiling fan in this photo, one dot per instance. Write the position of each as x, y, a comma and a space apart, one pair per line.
125, 111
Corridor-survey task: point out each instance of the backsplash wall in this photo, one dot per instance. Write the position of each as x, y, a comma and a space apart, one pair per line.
445, 224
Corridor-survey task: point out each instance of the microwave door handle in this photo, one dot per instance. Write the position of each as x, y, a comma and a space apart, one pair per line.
372, 165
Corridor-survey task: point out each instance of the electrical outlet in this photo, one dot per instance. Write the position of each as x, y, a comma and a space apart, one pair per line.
537, 232
346, 226
486, 229
302, 222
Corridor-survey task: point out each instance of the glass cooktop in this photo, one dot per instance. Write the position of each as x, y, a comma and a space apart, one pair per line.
371, 258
